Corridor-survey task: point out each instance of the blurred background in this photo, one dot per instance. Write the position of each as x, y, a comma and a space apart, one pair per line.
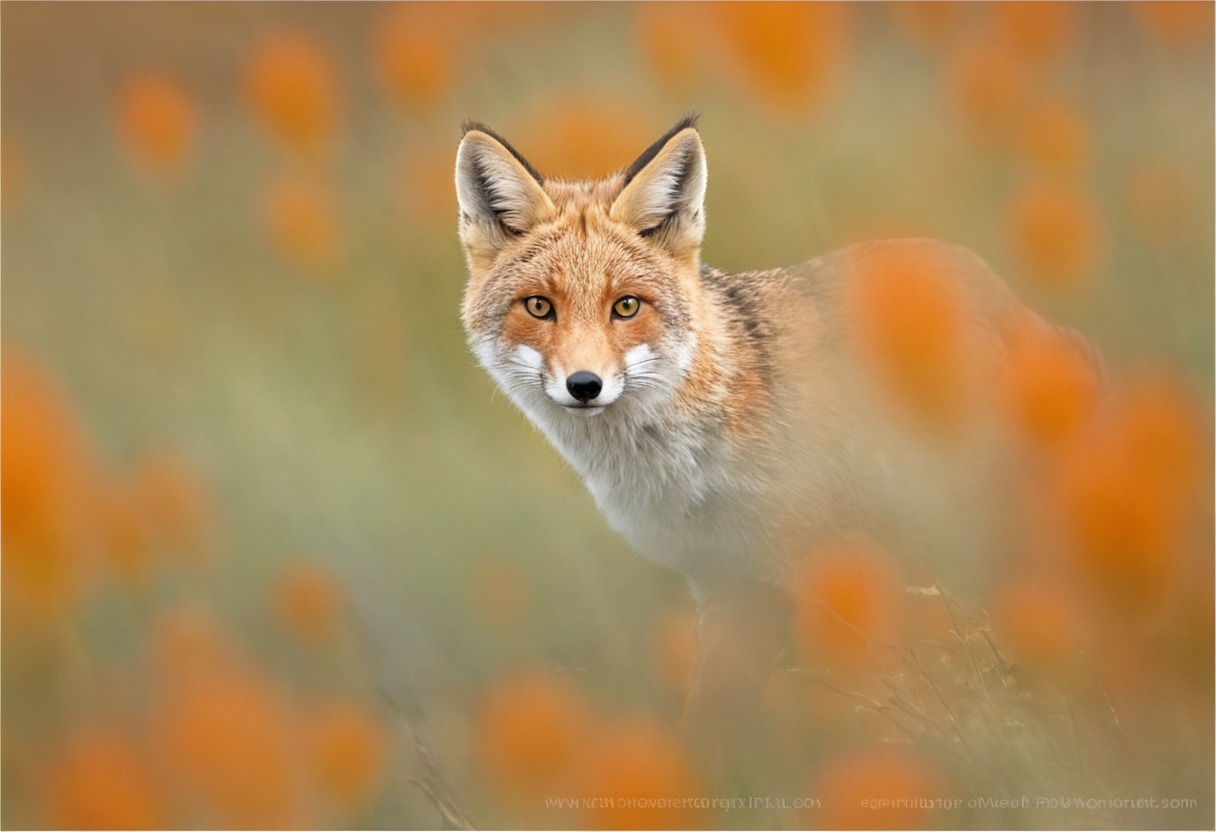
276, 554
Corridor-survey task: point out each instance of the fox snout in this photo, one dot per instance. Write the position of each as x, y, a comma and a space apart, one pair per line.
585, 392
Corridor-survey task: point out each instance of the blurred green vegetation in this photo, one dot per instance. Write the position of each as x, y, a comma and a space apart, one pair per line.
229, 237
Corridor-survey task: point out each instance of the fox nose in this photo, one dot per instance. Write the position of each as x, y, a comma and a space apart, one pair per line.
584, 385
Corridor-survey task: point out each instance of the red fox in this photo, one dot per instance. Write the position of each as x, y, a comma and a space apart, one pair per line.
726, 424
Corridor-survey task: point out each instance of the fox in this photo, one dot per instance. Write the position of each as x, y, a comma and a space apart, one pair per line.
727, 426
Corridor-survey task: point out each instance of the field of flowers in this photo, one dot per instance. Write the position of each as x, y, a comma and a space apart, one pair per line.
276, 554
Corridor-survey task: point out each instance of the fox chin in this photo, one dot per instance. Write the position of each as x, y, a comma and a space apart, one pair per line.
725, 424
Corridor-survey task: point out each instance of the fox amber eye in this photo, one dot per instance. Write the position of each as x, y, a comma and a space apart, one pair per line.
538, 307
626, 307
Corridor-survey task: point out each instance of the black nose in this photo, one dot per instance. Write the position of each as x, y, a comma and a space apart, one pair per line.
584, 385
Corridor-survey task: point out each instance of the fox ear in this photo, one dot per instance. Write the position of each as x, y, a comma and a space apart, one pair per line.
499, 193
664, 193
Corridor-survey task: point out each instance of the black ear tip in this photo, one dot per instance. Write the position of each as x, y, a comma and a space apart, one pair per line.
689, 121
469, 125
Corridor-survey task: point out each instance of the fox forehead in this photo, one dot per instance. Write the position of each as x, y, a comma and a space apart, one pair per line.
579, 258
580, 246
583, 256
593, 198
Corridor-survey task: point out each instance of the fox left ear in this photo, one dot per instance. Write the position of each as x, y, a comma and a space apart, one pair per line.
664, 192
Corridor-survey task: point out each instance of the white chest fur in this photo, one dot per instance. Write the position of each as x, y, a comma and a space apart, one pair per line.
672, 488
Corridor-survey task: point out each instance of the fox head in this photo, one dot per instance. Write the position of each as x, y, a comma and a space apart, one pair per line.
582, 297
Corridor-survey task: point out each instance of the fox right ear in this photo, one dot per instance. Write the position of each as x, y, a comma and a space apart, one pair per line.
499, 193
663, 196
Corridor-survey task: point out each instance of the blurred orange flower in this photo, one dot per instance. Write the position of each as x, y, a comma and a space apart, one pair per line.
1161, 427
349, 750
157, 119
585, 137
850, 605
301, 221
667, 35
414, 54
309, 603
1038, 31
48, 493
908, 319
1056, 231
1124, 531
1050, 388
631, 759
128, 535
101, 779
530, 730
989, 87
928, 22
292, 85
1039, 623
1177, 22
232, 746
791, 53
190, 642
853, 785
1128, 491
1055, 137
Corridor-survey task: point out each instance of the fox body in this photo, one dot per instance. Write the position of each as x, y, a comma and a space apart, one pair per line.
720, 421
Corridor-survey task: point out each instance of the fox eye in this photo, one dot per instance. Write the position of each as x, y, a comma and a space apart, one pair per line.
538, 307
626, 307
